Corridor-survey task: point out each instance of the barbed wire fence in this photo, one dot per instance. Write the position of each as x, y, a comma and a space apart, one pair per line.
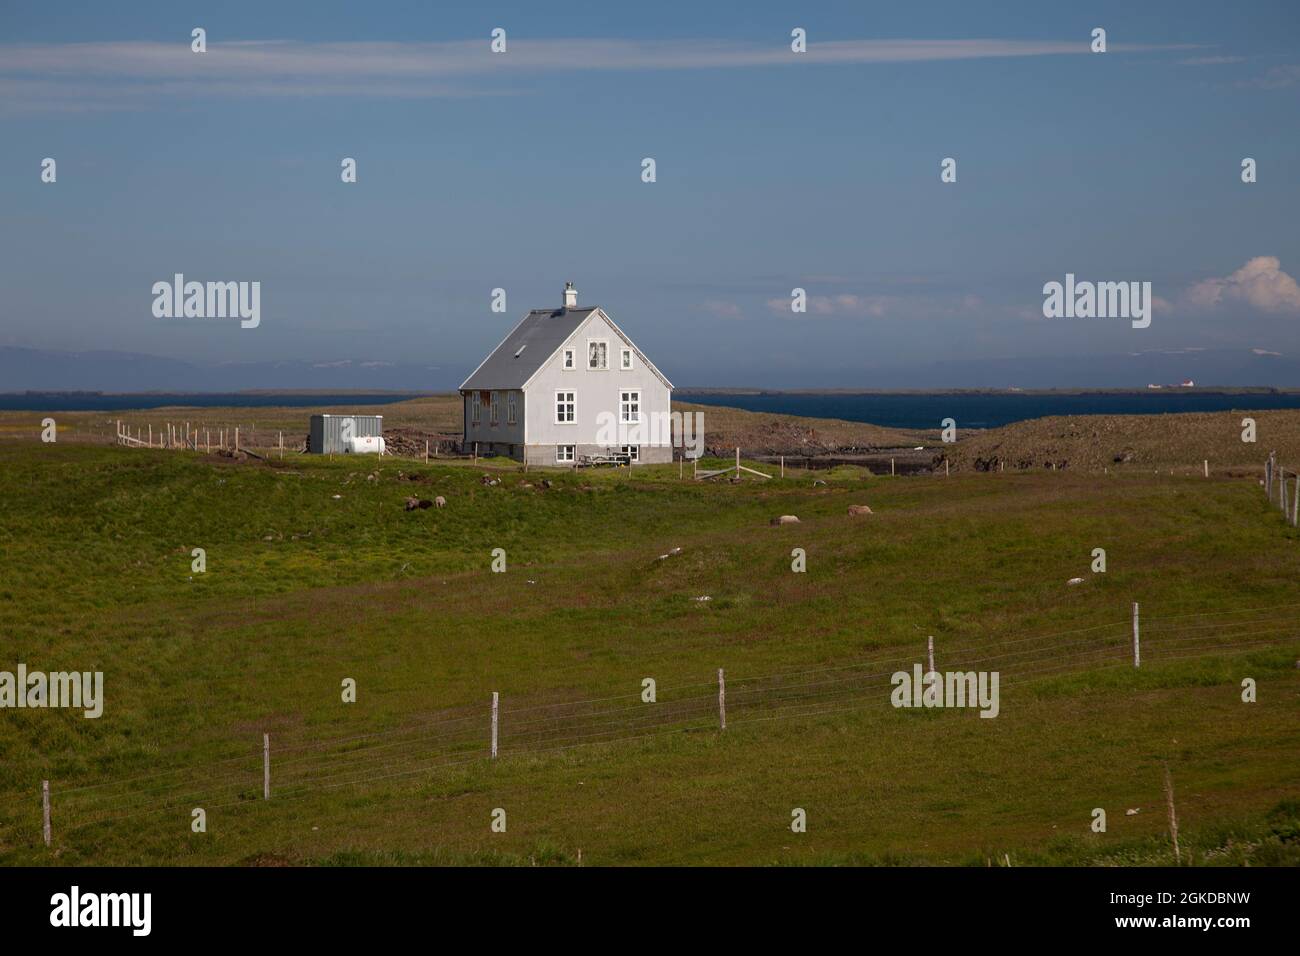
290, 767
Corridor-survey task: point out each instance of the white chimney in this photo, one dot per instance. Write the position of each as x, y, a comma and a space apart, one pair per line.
570, 296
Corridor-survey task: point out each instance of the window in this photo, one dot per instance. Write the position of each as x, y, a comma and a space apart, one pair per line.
565, 405
494, 414
597, 353
473, 408
511, 416
625, 361
563, 453
629, 407
633, 453
569, 360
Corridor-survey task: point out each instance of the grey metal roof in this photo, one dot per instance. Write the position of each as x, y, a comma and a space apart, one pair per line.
541, 332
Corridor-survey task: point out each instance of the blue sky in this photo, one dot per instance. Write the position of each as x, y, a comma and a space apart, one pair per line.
774, 170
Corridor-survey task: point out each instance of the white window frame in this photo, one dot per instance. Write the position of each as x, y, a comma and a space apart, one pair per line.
564, 454
633, 453
625, 359
512, 413
569, 359
597, 368
494, 416
626, 404
571, 402
474, 405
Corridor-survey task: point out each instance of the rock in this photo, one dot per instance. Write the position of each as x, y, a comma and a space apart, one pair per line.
859, 510
1075, 581
786, 519
413, 503
440, 501
1132, 813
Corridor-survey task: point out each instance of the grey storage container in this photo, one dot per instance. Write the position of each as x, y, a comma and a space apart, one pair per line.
329, 433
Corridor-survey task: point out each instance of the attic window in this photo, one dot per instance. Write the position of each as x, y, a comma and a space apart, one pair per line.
521, 350
597, 354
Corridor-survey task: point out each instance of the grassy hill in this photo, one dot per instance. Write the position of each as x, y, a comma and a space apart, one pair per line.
316, 573
1177, 442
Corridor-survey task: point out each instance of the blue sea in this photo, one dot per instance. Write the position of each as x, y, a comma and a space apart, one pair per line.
895, 410
97, 402
989, 410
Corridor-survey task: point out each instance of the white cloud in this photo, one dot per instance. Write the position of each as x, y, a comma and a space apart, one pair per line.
859, 306
1260, 283
1277, 78
107, 75
723, 310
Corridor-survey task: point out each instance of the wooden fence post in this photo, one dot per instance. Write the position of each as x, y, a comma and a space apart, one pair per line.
891, 467
1137, 648
1295, 505
266, 766
722, 700
426, 451
1173, 814
45, 811
1206, 463
783, 466
236, 438
946, 472
495, 699
930, 652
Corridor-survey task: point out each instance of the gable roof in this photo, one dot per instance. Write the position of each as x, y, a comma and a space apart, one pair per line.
526, 348
532, 343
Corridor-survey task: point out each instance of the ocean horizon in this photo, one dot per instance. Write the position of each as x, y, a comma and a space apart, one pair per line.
986, 409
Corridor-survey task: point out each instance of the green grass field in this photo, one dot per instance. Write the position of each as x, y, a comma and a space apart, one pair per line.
304, 589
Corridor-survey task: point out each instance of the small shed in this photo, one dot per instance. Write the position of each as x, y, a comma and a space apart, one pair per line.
330, 433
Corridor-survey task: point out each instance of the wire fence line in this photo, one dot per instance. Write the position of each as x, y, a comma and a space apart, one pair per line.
297, 767
1276, 481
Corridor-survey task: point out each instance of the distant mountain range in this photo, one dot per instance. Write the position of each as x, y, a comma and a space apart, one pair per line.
23, 369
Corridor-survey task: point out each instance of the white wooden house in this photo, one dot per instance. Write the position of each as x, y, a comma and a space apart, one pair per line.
568, 385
